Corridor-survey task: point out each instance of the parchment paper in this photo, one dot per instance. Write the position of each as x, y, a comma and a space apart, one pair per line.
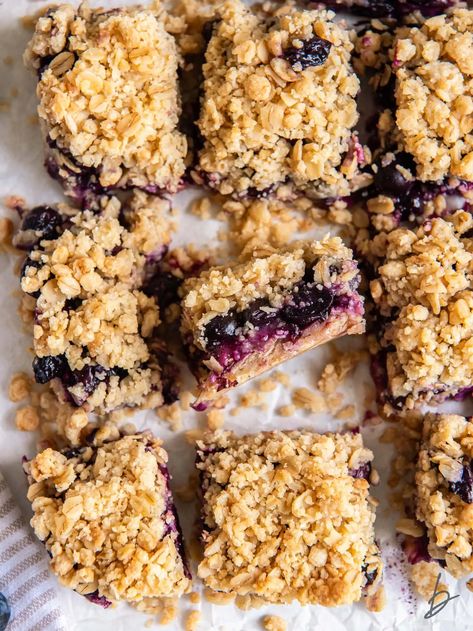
22, 173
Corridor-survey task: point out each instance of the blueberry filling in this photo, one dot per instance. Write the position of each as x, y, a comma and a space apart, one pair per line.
5, 612
361, 472
313, 52
231, 337
370, 576
464, 487
163, 286
56, 367
396, 8
388, 180
42, 222
98, 600
49, 367
416, 549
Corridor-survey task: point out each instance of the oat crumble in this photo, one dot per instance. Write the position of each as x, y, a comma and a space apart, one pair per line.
94, 329
105, 514
444, 490
265, 533
108, 95
424, 298
434, 95
279, 104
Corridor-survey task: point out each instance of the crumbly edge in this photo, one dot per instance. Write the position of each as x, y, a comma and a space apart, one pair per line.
104, 517
434, 94
269, 275
284, 519
262, 119
101, 264
105, 79
422, 291
447, 446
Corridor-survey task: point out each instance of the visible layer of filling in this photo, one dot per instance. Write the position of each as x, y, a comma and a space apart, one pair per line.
393, 8
231, 337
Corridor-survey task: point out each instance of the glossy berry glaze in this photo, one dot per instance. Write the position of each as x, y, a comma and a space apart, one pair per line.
230, 338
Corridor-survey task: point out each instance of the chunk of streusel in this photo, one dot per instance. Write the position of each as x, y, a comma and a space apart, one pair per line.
287, 515
444, 490
425, 312
109, 102
94, 329
279, 104
240, 321
106, 515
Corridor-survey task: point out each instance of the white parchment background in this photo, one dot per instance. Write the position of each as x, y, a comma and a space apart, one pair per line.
21, 173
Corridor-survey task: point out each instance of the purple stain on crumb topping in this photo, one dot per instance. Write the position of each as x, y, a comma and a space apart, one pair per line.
313, 52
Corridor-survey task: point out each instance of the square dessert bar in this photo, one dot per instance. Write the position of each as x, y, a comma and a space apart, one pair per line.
424, 320
444, 490
287, 515
278, 104
240, 321
424, 81
94, 329
109, 102
106, 516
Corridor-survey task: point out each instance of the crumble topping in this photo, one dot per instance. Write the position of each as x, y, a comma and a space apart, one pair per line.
433, 65
423, 292
89, 311
284, 519
444, 490
269, 276
108, 93
271, 111
105, 515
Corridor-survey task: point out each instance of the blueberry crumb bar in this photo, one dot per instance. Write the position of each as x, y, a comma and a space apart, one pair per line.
109, 102
93, 327
287, 515
105, 513
424, 302
279, 104
240, 321
444, 490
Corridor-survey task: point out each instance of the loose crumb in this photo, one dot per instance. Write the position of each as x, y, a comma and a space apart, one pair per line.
27, 419
19, 388
215, 419
172, 415
287, 410
194, 597
348, 411
274, 623
308, 400
218, 598
192, 621
6, 231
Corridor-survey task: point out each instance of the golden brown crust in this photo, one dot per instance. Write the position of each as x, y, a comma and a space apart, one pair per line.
434, 68
104, 514
283, 518
265, 120
109, 97
446, 450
